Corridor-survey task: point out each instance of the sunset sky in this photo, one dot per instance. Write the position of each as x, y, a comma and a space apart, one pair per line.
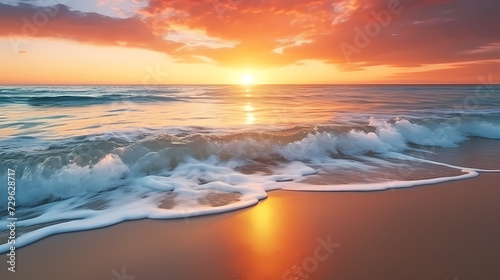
273, 41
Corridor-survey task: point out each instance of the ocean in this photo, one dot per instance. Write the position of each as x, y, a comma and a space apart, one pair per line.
87, 157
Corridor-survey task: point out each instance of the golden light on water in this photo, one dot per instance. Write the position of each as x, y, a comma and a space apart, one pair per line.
249, 112
248, 106
250, 118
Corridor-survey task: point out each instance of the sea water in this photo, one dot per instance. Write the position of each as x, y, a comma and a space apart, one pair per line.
87, 157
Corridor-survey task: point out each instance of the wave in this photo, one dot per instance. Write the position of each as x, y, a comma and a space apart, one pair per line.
98, 180
154, 151
57, 101
87, 96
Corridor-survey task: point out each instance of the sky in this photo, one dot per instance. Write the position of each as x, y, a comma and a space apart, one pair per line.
273, 41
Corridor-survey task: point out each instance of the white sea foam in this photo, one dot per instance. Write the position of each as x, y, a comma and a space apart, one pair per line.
135, 174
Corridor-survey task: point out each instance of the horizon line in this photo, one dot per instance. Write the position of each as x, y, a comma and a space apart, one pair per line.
261, 84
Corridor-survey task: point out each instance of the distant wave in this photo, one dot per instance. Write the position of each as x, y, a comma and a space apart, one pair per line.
55, 101
66, 98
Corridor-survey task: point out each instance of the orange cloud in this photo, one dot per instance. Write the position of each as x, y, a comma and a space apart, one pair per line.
24, 21
474, 73
352, 34
397, 33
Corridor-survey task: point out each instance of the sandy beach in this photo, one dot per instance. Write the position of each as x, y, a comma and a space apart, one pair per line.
445, 231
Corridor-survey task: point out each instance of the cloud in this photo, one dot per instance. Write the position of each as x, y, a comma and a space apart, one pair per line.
489, 48
482, 72
256, 33
25, 20
273, 33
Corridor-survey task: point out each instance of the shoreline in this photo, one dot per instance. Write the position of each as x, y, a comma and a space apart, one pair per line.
440, 231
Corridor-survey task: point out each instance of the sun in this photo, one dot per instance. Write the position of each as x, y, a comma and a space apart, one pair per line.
247, 80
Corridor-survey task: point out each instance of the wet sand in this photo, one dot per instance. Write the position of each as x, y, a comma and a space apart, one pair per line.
445, 231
